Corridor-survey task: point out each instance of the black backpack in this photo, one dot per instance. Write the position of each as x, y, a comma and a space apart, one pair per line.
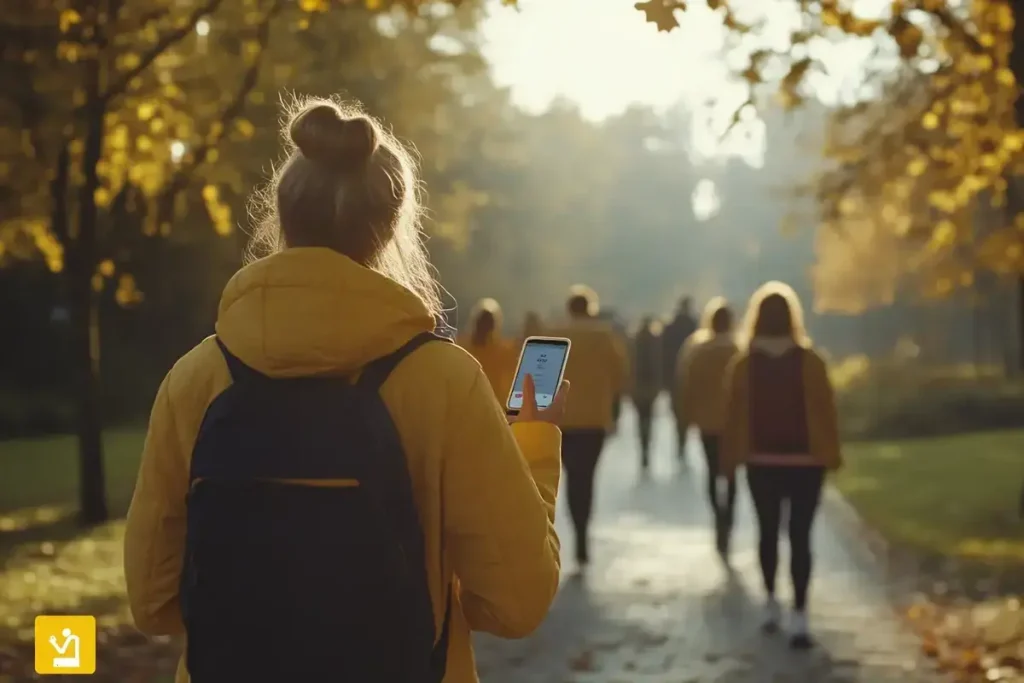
284, 580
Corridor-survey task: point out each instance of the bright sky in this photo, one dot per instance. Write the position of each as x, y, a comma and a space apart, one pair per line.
604, 56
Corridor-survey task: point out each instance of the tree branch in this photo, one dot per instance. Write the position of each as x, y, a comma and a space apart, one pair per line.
230, 113
164, 43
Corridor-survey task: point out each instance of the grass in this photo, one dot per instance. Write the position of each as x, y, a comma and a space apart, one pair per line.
953, 496
44, 471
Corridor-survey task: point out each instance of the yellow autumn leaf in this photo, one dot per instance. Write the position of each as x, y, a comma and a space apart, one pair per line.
930, 121
245, 128
97, 283
127, 293
69, 18
128, 61
917, 166
106, 268
102, 197
943, 235
210, 193
146, 111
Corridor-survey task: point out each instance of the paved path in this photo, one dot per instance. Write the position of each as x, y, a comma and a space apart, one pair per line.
656, 606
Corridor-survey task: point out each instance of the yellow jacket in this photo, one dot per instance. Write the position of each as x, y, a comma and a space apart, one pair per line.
700, 382
498, 359
598, 369
312, 311
819, 399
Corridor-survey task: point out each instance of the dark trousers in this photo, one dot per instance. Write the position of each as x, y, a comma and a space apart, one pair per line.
769, 487
721, 509
581, 449
681, 427
644, 416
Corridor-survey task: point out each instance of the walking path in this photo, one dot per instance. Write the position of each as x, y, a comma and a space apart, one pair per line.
657, 606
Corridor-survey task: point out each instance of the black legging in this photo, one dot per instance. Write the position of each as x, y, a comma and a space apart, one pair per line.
581, 449
801, 486
644, 416
710, 442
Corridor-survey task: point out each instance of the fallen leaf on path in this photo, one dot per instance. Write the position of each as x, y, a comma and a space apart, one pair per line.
583, 662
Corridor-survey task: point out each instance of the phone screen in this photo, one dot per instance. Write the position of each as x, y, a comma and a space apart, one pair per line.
545, 360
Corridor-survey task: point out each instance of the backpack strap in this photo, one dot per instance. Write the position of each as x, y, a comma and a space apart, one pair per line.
371, 379
376, 373
240, 372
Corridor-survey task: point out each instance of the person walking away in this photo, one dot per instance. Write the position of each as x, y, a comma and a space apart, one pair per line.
675, 334
646, 381
532, 324
701, 369
781, 423
598, 369
496, 355
327, 491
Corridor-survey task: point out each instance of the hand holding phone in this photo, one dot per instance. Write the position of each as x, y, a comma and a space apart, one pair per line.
543, 359
553, 414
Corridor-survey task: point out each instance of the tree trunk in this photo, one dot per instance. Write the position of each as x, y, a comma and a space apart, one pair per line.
85, 333
1015, 202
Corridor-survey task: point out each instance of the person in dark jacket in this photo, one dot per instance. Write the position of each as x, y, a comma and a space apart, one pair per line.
646, 381
673, 337
781, 423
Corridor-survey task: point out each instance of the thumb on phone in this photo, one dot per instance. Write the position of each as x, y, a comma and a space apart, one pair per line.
529, 394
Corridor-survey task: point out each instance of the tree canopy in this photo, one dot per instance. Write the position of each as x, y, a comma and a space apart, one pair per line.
920, 159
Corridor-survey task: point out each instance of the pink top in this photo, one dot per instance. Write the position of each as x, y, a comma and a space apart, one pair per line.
783, 460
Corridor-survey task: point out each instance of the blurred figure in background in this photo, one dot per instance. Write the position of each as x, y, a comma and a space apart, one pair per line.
700, 392
647, 380
496, 355
781, 423
532, 324
598, 370
673, 337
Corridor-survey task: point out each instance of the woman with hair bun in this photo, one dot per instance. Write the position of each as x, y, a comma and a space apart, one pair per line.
781, 423
325, 337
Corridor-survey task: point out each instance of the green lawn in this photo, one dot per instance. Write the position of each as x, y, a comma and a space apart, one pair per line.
954, 496
44, 471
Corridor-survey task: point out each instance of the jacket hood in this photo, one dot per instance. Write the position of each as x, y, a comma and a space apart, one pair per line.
307, 311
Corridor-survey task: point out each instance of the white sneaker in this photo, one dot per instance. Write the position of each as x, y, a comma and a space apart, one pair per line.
799, 633
772, 615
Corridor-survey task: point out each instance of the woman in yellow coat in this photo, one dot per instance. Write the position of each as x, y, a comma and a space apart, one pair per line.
700, 382
346, 281
496, 355
781, 423
598, 368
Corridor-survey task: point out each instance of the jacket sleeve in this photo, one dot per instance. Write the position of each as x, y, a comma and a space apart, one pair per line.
821, 400
499, 489
619, 362
155, 532
735, 438
685, 384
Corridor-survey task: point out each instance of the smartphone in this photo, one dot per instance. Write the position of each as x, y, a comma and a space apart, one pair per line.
544, 358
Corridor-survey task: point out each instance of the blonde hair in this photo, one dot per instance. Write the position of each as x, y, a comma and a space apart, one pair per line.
350, 185
486, 307
775, 311
583, 297
711, 308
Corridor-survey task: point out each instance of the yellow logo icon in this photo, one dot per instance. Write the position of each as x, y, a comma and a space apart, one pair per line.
66, 645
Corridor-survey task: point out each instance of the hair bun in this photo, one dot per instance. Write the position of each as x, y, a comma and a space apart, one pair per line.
325, 137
